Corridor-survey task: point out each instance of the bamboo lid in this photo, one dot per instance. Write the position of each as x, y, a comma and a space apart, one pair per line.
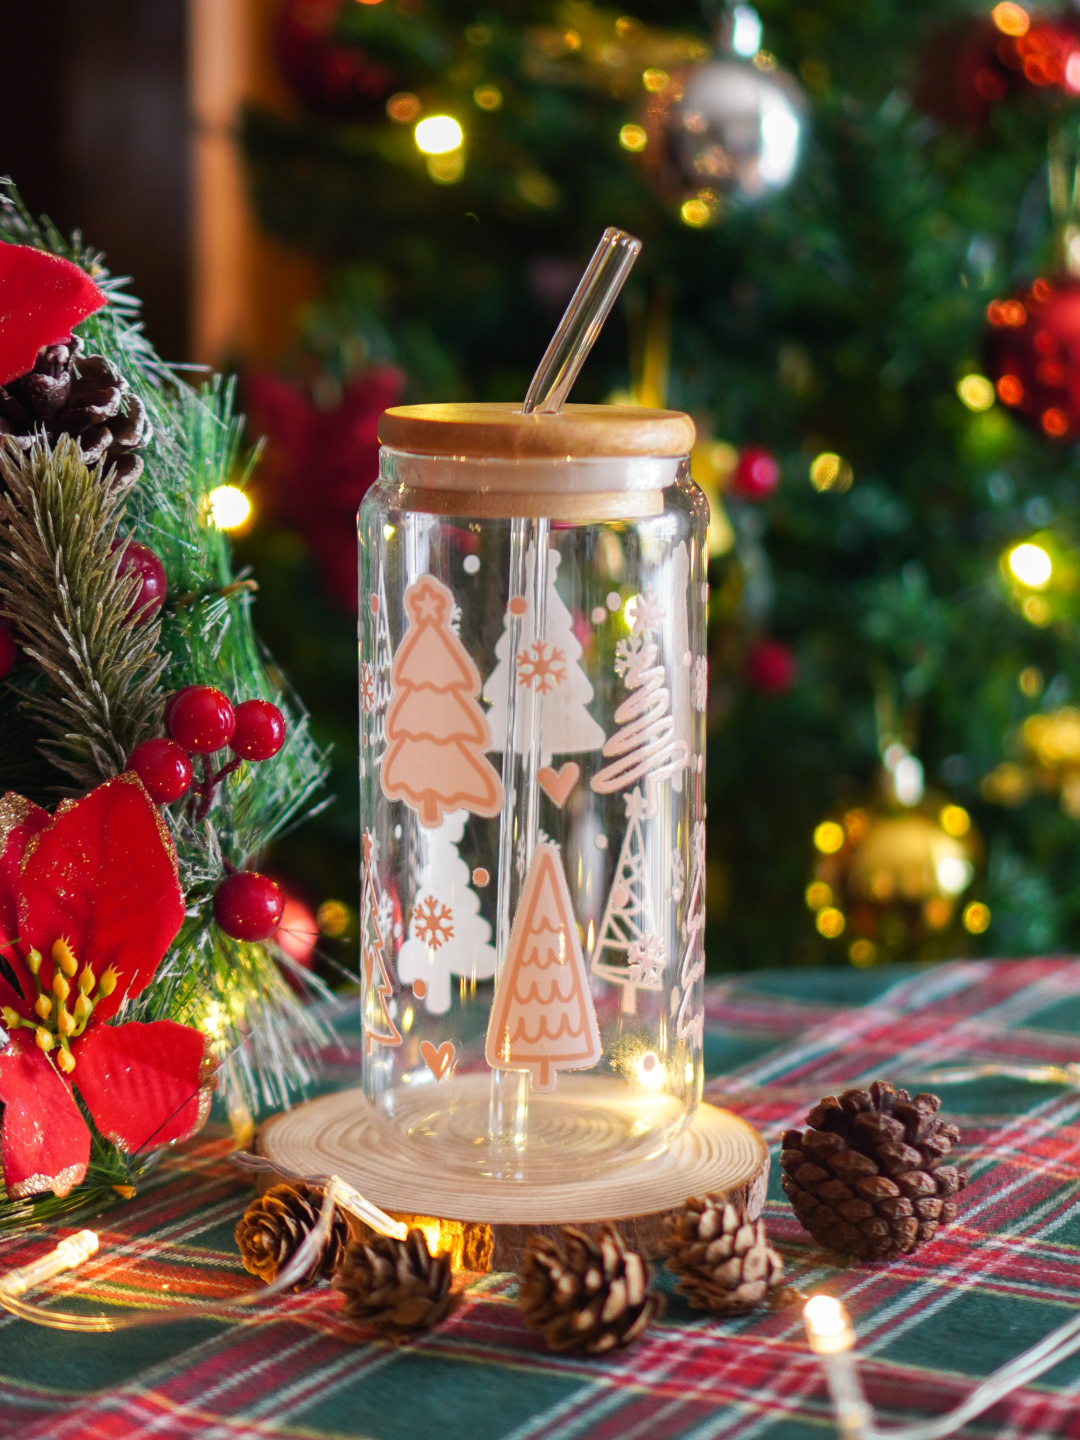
503, 432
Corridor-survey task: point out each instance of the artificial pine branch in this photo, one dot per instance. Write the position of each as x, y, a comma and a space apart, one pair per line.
62, 590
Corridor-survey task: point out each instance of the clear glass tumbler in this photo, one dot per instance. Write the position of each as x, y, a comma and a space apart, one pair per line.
533, 680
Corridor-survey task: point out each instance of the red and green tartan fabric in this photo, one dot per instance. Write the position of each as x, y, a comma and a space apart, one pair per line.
929, 1325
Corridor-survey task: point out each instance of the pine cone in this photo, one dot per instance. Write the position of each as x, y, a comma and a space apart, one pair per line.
67, 393
867, 1178
584, 1292
273, 1227
396, 1285
723, 1260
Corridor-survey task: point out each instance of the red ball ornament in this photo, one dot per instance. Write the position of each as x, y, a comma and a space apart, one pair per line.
325, 74
259, 732
150, 596
163, 768
200, 718
248, 906
8, 653
771, 667
757, 474
1033, 355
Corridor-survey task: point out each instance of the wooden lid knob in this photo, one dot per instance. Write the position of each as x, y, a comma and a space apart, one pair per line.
502, 432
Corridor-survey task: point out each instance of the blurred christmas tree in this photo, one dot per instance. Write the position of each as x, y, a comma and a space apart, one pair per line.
887, 685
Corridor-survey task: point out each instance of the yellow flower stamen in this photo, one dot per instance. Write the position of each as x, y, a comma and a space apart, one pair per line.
61, 988
61, 954
45, 1039
43, 1007
83, 1009
107, 983
33, 960
66, 1061
65, 1022
87, 980
11, 1018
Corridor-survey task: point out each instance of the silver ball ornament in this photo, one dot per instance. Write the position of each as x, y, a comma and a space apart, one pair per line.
724, 128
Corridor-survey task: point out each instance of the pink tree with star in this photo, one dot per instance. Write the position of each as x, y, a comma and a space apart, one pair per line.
436, 731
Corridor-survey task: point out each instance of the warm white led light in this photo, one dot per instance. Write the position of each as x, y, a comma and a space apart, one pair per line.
228, 507
1031, 565
438, 135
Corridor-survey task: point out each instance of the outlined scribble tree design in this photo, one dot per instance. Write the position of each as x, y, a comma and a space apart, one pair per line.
436, 731
384, 655
629, 917
542, 1017
378, 1022
647, 745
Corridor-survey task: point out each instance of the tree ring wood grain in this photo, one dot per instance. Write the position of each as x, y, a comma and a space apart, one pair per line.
341, 1134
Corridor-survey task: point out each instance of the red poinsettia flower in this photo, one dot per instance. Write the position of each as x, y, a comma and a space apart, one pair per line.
41, 297
89, 903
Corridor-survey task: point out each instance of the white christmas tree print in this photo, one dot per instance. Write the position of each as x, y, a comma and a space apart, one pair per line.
542, 1017
629, 921
378, 990
367, 687
384, 658
690, 1024
681, 658
548, 665
646, 746
700, 681
448, 935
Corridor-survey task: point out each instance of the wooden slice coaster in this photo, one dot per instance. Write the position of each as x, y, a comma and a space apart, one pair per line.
486, 1221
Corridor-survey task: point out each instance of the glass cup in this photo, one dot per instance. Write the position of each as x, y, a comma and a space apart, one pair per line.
533, 681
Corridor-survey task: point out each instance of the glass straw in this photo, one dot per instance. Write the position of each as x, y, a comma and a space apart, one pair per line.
589, 307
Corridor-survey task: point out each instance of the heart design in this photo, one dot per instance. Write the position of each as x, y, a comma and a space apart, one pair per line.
558, 783
440, 1060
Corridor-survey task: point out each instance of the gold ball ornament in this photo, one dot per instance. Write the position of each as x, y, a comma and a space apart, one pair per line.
726, 128
888, 882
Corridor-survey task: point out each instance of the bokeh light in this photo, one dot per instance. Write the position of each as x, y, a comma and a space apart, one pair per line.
228, 507
438, 135
976, 392
1031, 565
976, 917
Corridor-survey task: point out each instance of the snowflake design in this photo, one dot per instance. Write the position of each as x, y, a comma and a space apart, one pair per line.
432, 922
646, 960
384, 915
678, 875
455, 619
699, 683
367, 686
627, 654
646, 615
542, 666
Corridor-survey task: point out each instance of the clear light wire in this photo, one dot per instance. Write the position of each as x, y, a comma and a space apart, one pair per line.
855, 1419
589, 307
296, 1270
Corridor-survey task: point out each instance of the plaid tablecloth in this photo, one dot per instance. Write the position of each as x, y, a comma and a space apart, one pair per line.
1004, 1275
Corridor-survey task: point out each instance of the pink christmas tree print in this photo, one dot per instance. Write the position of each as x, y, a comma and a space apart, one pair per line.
436, 731
542, 1017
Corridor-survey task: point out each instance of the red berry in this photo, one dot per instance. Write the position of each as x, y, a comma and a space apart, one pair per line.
756, 475
259, 732
771, 667
163, 768
8, 652
248, 906
200, 719
150, 596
